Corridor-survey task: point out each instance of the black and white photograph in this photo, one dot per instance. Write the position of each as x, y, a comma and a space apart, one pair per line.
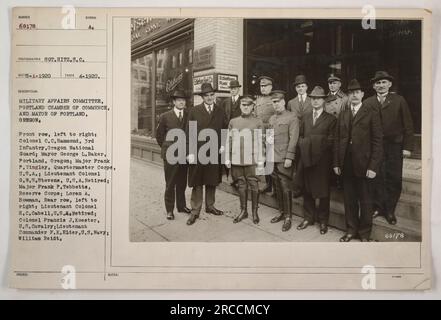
275, 130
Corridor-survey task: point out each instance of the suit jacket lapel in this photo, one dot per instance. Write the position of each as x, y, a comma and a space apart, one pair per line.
360, 114
319, 119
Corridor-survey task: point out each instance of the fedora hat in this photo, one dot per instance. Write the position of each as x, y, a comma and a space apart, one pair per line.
379, 75
206, 87
234, 84
317, 92
178, 94
354, 85
299, 80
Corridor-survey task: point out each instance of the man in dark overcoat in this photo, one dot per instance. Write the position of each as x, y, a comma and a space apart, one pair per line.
357, 157
175, 172
231, 104
315, 143
206, 115
397, 144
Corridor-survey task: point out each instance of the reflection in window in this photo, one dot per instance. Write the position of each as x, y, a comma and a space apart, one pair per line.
190, 56
180, 58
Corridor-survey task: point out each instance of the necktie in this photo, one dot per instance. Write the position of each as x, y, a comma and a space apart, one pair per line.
180, 116
209, 109
353, 112
382, 99
315, 117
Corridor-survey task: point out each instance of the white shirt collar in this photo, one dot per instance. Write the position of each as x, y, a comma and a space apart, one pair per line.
206, 107
356, 108
176, 110
303, 96
382, 95
235, 98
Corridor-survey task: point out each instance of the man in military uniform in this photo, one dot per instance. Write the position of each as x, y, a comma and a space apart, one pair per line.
231, 105
175, 174
336, 100
207, 115
397, 144
264, 110
357, 157
315, 144
245, 143
301, 104
285, 127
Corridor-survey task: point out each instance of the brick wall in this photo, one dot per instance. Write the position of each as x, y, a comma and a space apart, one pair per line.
227, 36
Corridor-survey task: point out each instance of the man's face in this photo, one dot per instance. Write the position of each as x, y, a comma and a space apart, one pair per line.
317, 103
234, 91
355, 96
209, 98
301, 88
179, 103
279, 105
266, 89
382, 86
246, 107
334, 86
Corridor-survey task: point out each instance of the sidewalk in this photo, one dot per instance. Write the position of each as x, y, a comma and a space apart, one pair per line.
148, 221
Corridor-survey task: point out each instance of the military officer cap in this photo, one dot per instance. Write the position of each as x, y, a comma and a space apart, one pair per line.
333, 78
247, 99
265, 80
317, 92
380, 75
354, 85
277, 95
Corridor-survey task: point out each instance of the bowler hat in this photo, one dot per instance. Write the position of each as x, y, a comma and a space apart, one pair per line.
178, 94
354, 85
317, 92
299, 80
265, 80
277, 94
379, 75
333, 78
206, 87
234, 84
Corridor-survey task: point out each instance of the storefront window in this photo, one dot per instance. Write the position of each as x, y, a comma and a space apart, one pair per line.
142, 95
151, 97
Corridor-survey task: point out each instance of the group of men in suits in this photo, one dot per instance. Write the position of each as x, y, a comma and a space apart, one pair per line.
313, 137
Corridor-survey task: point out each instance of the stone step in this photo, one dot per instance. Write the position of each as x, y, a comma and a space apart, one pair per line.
405, 229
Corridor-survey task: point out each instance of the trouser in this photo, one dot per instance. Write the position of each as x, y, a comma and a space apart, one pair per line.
196, 198
388, 183
245, 177
312, 211
357, 201
282, 178
175, 184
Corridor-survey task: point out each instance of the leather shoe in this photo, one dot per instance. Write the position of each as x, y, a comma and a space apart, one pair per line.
214, 211
391, 219
375, 214
286, 225
323, 228
192, 219
170, 215
303, 225
184, 210
278, 218
347, 237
